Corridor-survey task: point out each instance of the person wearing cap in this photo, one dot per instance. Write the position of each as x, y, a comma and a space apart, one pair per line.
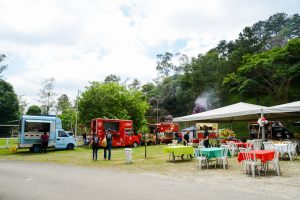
108, 136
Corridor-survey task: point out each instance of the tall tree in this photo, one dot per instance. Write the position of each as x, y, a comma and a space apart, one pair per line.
63, 103
47, 95
9, 105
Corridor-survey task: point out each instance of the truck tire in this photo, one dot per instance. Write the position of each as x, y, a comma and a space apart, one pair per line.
36, 149
70, 146
135, 144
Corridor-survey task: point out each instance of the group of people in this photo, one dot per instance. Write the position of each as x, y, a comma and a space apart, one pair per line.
95, 143
106, 142
186, 137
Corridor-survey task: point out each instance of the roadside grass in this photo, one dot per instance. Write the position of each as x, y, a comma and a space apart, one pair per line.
11, 141
156, 162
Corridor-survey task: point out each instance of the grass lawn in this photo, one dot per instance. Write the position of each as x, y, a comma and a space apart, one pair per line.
156, 162
11, 141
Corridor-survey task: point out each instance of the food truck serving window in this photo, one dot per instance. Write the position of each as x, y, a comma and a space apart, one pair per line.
113, 126
37, 126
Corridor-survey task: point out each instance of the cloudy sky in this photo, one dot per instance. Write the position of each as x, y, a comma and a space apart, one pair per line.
77, 41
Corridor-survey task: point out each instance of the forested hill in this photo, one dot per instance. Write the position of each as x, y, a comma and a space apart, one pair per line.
261, 66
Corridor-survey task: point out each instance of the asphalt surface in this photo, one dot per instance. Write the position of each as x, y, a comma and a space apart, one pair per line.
42, 181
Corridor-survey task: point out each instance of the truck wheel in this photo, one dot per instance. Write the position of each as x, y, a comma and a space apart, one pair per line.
135, 144
36, 149
70, 146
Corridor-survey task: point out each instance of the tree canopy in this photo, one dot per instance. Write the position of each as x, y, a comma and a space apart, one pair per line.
34, 110
9, 105
111, 100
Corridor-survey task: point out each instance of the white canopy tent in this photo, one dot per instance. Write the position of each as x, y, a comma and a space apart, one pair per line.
288, 109
244, 112
235, 112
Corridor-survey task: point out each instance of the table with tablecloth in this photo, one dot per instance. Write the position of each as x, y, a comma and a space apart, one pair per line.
213, 152
243, 144
282, 148
178, 150
263, 155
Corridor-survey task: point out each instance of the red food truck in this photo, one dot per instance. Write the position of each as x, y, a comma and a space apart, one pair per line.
164, 132
122, 131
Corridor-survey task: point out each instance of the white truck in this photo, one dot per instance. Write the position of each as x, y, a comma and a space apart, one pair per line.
31, 128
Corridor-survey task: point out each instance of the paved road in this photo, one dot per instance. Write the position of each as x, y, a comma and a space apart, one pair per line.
30, 181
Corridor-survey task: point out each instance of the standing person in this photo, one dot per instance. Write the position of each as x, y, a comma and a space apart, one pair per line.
44, 142
186, 138
95, 146
205, 137
84, 139
108, 136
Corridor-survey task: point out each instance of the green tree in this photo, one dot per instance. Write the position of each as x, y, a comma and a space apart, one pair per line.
68, 118
34, 110
63, 103
270, 73
9, 105
67, 112
112, 100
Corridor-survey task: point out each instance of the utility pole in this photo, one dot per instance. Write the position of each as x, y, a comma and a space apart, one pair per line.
157, 120
76, 116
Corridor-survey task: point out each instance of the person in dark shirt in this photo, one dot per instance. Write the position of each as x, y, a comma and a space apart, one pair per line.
108, 136
186, 138
205, 137
95, 146
84, 139
44, 142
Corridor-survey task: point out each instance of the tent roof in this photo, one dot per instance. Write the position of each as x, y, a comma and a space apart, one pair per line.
244, 112
235, 112
283, 111
284, 108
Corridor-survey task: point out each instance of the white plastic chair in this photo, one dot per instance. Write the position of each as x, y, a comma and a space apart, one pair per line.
251, 163
268, 146
294, 149
223, 160
257, 144
290, 151
275, 162
201, 159
201, 144
232, 148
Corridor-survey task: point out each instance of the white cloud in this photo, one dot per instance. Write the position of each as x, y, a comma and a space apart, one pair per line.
77, 41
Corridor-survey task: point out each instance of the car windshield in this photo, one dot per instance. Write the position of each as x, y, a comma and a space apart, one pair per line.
70, 133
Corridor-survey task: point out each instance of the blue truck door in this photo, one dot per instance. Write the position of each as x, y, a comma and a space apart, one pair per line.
61, 139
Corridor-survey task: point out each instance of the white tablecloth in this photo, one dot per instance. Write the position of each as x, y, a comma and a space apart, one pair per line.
282, 148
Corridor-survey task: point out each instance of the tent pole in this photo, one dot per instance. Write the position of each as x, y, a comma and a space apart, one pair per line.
263, 134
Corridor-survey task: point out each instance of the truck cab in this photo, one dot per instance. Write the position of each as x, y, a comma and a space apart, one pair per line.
31, 128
